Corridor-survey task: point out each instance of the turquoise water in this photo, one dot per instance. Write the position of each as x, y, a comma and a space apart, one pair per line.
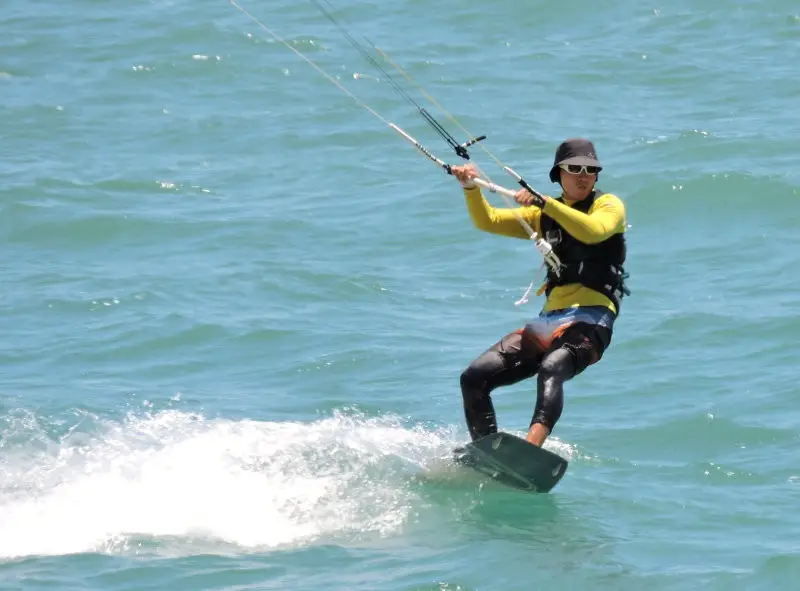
237, 305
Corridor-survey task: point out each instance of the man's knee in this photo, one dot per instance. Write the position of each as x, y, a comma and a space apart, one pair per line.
473, 381
560, 364
492, 362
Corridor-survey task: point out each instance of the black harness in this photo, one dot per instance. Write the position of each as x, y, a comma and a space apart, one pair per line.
596, 266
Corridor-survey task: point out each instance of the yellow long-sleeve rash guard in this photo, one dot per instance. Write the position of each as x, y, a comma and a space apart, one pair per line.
605, 218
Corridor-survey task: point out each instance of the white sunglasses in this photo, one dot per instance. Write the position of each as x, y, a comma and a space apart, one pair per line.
579, 168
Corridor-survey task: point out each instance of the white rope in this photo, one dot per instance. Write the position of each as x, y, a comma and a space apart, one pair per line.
542, 246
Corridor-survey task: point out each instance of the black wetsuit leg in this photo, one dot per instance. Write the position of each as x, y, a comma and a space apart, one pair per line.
580, 346
504, 363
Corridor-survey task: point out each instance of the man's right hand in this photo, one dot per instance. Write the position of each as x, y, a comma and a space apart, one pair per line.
524, 197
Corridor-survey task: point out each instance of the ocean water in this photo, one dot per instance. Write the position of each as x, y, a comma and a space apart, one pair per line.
237, 304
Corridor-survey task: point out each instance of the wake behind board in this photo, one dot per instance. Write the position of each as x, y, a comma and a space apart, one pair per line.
513, 462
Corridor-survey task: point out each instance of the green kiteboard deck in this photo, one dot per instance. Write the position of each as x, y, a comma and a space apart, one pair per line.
513, 461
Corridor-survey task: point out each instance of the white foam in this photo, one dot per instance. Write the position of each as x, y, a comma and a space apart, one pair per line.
246, 483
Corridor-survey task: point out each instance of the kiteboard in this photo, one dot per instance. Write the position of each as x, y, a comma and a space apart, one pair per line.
513, 461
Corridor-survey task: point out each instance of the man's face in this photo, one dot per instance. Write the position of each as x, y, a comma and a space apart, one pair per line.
577, 186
